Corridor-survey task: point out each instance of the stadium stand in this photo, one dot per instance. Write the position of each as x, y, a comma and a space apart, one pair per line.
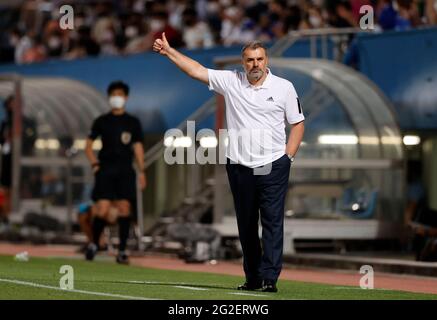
32, 33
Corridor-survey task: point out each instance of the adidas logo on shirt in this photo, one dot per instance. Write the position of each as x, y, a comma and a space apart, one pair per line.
270, 99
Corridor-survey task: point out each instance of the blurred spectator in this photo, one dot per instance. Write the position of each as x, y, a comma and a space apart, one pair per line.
86, 41
315, 18
431, 11
22, 43
277, 9
236, 29
135, 37
213, 16
55, 44
340, 14
159, 23
408, 15
264, 30
36, 52
387, 15
291, 21
110, 27
356, 5
196, 33
176, 8
399, 15
7, 50
283, 18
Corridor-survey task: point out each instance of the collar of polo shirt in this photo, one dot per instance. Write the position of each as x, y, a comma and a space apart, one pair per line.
265, 84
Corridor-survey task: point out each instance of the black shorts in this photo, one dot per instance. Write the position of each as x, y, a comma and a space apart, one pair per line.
6, 171
115, 182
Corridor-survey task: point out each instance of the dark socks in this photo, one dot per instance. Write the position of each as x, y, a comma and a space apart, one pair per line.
123, 231
98, 226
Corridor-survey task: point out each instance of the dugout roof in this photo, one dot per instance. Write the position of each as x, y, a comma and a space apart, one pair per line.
61, 107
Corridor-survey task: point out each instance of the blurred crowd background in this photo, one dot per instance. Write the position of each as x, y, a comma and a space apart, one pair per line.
30, 29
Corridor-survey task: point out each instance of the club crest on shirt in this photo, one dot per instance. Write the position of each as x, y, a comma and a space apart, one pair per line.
126, 137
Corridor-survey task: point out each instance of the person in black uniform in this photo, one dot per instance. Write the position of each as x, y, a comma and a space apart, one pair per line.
6, 161
115, 178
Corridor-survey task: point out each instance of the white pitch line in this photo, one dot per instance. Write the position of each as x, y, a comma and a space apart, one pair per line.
142, 282
183, 285
191, 288
37, 285
174, 284
157, 282
247, 294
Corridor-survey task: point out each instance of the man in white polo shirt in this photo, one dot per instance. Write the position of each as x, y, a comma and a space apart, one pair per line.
258, 155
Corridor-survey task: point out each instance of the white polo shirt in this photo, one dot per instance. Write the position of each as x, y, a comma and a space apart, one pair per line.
256, 116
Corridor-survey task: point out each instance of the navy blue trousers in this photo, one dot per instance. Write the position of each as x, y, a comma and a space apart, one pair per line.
262, 196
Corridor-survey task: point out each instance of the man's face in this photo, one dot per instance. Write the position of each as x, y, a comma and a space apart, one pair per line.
255, 63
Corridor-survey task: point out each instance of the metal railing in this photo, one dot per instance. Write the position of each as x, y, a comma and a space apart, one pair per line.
156, 151
337, 34
205, 110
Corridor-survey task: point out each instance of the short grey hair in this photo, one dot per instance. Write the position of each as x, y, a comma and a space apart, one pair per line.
253, 45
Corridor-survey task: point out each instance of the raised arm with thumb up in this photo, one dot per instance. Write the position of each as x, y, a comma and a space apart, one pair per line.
161, 45
189, 66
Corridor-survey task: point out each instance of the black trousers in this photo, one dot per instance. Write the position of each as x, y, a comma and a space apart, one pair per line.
260, 196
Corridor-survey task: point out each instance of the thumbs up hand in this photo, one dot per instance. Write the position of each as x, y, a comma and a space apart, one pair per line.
161, 45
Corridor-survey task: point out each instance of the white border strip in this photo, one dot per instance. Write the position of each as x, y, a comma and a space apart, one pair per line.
103, 294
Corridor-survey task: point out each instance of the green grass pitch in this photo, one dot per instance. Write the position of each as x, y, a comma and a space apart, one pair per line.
39, 279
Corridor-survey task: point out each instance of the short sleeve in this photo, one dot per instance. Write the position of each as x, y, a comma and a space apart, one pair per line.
95, 130
137, 132
293, 108
219, 80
